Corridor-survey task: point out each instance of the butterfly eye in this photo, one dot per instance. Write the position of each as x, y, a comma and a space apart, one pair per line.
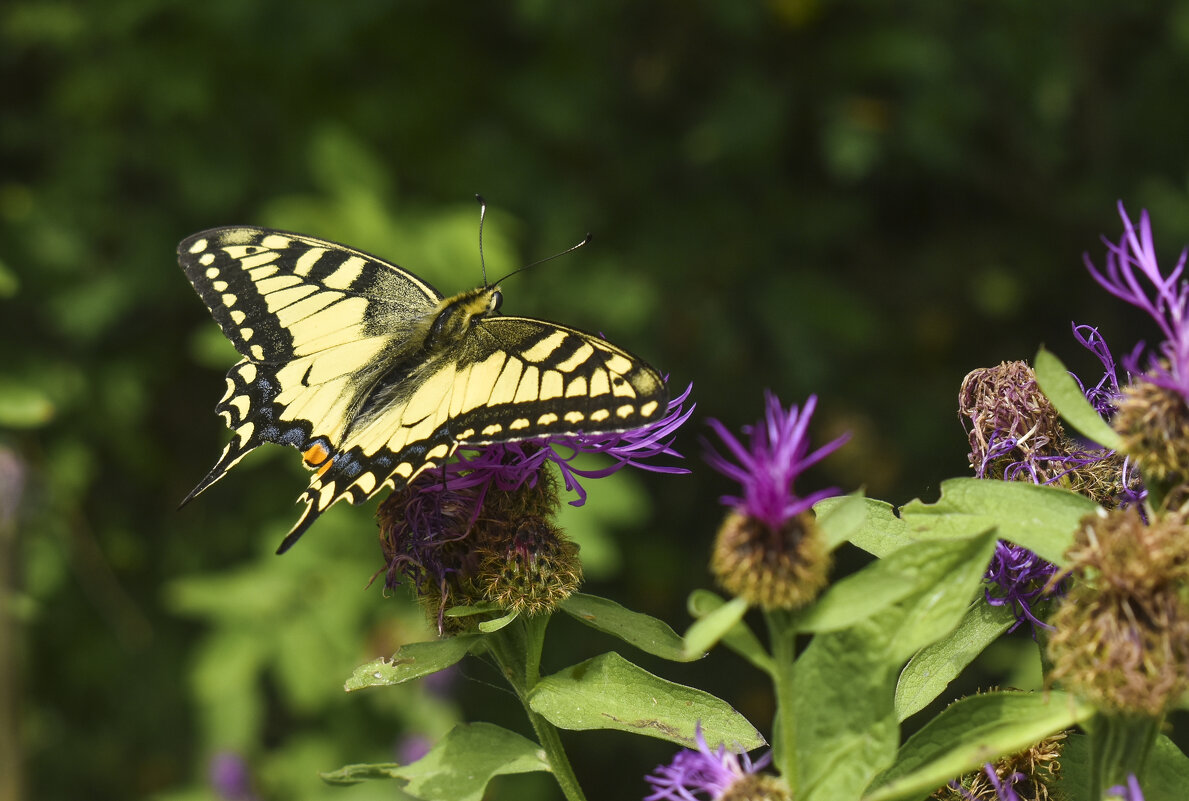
497, 300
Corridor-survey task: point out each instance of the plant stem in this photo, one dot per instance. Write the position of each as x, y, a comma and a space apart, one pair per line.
517, 650
1119, 746
782, 633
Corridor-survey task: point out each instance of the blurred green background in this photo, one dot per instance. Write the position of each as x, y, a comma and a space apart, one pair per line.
863, 200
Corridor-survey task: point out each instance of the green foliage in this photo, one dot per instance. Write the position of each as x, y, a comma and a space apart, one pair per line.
578, 698
1060, 388
646, 633
963, 736
459, 767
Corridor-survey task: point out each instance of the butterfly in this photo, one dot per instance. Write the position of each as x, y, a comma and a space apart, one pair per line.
374, 376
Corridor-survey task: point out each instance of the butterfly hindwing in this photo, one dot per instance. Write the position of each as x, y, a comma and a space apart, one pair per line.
357, 363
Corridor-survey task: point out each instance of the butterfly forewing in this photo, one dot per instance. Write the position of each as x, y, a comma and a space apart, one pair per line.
338, 363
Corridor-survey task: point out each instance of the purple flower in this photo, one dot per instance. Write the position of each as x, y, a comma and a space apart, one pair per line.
507, 466
705, 772
428, 529
412, 747
775, 456
1020, 576
1132, 274
1129, 793
1104, 395
229, 777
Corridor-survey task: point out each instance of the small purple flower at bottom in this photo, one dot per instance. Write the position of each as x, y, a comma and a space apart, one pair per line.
706, 772
1019, 576
229, 777
1130, 792
776, 454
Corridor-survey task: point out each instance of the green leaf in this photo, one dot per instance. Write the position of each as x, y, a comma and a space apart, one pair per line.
932, 668
841, 520
1042, 519
948, 579
459, 767
635, 628
412, 661
740, 638
354, 774
1060, 388
471, 611
845, 729
609, 692
489, 626
712, 627
880, 533
971, 732
921, 570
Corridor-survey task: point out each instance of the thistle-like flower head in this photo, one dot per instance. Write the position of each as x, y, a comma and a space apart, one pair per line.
777, 452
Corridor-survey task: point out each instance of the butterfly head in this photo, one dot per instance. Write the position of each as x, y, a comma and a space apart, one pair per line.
456, 315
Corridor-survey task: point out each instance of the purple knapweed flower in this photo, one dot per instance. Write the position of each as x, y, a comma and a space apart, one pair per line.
456, 531
446, 501
701, 774
777, 452
509, 465
1132, 274
1130, 792
1019, 578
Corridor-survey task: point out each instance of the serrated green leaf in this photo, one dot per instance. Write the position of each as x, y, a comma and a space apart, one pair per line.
412, 661
1042, 519
635, 628
354, 774
739, 638
609, 692
932, 668
973, 731
841, 520
706, 631
1060, 388
880, 533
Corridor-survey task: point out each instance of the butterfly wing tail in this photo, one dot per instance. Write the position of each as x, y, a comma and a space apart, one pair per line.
239, 447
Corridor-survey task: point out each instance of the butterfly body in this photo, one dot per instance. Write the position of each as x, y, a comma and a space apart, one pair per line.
374, 376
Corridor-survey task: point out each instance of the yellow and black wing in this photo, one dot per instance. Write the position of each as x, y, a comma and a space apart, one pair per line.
374, 377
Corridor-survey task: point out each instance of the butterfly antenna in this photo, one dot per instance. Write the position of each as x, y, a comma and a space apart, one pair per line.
571, 249
482, 216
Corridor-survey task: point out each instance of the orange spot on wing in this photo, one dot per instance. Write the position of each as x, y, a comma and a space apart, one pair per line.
315, 455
